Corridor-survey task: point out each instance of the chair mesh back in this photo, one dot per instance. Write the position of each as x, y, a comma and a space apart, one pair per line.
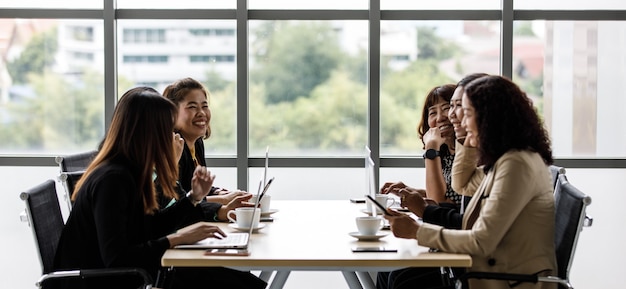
46, 221
77, 162
570, 213
70, 179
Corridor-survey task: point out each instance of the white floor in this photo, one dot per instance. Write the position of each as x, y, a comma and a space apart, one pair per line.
596, 265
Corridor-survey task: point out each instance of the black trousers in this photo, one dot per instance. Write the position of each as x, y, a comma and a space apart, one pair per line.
415, 278
203, 278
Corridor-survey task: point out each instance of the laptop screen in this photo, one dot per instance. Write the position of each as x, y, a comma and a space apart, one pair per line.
370, 184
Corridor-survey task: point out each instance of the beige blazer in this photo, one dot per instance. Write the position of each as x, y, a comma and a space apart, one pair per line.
514, 231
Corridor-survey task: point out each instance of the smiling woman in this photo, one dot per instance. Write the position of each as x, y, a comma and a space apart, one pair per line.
436, 132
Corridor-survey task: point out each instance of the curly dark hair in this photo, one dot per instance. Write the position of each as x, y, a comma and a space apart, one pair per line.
506, 120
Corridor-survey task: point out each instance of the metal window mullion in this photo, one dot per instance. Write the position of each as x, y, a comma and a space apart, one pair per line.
373, 123
109, 27
506, 39
242, 94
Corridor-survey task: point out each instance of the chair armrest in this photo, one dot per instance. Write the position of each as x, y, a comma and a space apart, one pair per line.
88, 273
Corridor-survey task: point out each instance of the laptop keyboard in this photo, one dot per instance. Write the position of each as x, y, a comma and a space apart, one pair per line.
232, 238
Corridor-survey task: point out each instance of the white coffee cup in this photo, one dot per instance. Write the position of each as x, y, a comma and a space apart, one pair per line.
265, 202
243, 216
384, 200
368, 225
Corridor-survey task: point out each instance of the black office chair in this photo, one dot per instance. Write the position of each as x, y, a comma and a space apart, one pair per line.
76, 162
556, 171
69, 181
44, 217
570, 218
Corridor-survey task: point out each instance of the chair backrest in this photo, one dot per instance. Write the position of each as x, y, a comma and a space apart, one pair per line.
69, 180
45, 220
570, 205
556, 171
77, 162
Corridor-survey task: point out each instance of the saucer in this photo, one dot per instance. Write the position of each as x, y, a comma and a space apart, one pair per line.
366, 211
246, 229
271, 211
368, 237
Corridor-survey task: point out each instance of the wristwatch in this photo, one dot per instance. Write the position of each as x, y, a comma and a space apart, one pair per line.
430, 154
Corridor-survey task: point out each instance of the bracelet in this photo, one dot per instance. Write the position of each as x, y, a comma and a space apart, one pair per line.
215, 218
193, 202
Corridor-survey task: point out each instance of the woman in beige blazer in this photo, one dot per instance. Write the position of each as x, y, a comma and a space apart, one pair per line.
507, 227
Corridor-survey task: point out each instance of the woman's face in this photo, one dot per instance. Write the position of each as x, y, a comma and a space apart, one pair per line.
438, 117
455, 113
469, 122
193, 115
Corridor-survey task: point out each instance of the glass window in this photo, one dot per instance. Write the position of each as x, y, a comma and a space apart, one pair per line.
57, 4
308, 87
179, 4
80, 33
440, 5
155, 35
51, 87
570, 5
337, 184
182, 53
419, 55
211, 58
318, 4
575, 71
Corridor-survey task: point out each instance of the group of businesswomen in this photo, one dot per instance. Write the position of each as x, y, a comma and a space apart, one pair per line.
148, 189
501, 159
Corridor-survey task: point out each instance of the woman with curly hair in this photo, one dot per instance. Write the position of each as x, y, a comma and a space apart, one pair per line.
507, 137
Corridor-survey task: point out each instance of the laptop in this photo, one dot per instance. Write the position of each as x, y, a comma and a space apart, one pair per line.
232, 240
370, 183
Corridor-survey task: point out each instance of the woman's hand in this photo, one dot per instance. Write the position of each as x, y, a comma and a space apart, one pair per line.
201, 183
433, 138
470, 140
237, 202
413, 200
402, 225
224, 197
179, 146
389, 187
194, 233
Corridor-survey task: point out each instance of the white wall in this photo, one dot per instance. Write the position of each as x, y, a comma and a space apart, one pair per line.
600, 248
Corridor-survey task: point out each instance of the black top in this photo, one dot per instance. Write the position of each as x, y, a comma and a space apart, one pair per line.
186, 166
108, 227
445, 214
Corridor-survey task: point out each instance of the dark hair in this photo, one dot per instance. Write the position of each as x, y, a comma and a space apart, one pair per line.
141, 133
506, 120
434, 95
469, 78
177, 91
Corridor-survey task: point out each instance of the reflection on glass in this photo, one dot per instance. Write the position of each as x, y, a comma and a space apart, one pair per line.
51, 86
440, 5
178, 4
419, 55
573, 70
157, 53
308, 87
305, 5
57, 4
570, 5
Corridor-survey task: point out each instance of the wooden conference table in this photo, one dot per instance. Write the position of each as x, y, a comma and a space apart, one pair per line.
309, 235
